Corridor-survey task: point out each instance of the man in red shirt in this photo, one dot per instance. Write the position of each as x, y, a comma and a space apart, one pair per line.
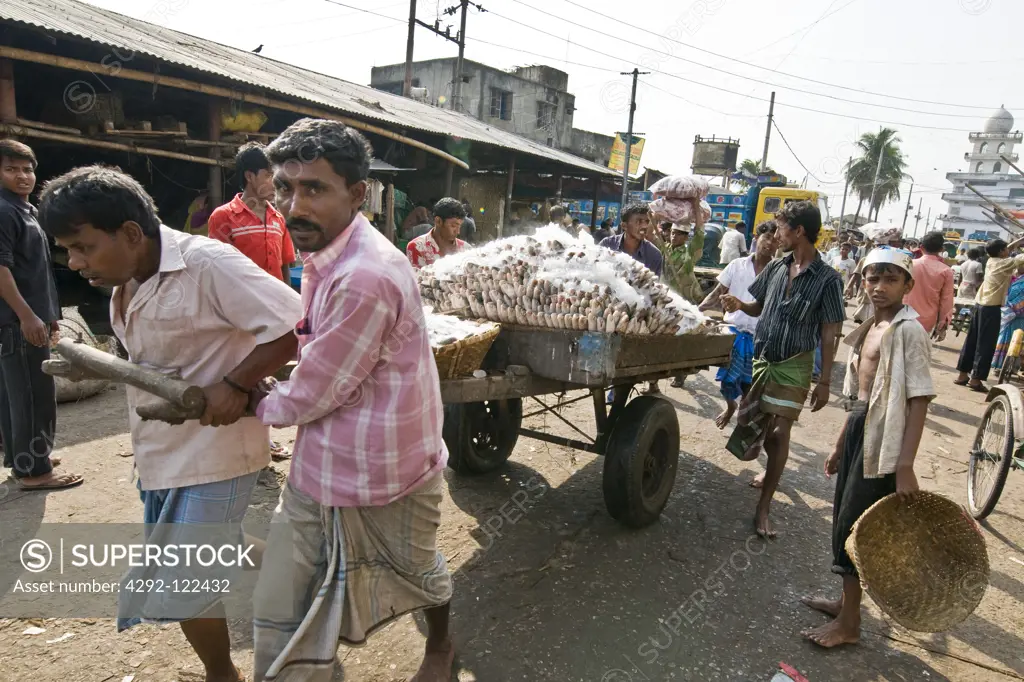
443, 239
932, 295
249, 222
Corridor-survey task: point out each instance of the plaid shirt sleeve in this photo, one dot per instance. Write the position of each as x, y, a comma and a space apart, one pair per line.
346, 347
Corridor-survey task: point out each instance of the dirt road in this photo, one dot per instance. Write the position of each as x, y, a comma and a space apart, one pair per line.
548, 587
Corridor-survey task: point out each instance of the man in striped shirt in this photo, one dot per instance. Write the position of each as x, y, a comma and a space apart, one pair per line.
800, 302
361, 508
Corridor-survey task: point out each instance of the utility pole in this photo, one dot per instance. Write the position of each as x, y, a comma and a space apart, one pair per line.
407, 85
917, 218
928, 220
907, 212
846, 188
457, 86
629, 136
874, 183
768, 133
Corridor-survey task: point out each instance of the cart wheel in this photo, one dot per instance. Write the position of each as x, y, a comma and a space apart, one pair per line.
481, 436
991, 458
641, 460
1009, 368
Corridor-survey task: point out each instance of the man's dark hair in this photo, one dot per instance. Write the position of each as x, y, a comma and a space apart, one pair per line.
933, 242
251, 158
802, 214
887, 268
995, 247
557, 213
449, 208
766, 227
974, 253
634, 208
575, 221
606, 223
309, 139
102, 197
665, 225
17, 151
740, 225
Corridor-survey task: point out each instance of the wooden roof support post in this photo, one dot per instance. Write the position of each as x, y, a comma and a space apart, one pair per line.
8, 108
389, 226
597, 196
449, 171
558, 190
216, 183
508, 194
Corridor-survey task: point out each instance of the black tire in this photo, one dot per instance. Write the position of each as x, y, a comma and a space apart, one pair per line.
641, 460
991, 458
1008, 369
481, 436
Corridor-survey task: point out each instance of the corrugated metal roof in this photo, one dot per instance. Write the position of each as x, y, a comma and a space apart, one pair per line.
129, 35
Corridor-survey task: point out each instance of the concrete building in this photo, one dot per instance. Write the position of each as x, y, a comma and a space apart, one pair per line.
532, 101
990, 175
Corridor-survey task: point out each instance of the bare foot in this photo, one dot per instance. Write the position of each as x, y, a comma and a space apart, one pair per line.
50, 481
829, 607
722, 420
833, 633
763, 526
237, 676
436, 665
758, 480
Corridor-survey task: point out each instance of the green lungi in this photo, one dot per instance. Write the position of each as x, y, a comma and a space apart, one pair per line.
779, 389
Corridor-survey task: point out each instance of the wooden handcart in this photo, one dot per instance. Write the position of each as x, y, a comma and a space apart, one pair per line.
638, 436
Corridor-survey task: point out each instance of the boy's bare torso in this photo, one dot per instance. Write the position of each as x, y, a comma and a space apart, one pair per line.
867, 359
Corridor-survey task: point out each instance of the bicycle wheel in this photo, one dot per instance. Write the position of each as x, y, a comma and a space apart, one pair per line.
991, 458
1010, 365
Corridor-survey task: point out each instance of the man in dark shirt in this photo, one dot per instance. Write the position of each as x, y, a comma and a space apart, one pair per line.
28, 316
467, 232
800, 301
636, 223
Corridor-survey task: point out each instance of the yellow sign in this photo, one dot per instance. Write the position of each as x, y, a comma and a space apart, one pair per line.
619, 153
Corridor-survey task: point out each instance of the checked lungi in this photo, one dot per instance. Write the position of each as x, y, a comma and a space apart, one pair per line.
336, 574
737, 377
210, 513
779, 389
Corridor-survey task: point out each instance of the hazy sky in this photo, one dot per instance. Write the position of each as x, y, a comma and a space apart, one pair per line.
932, 69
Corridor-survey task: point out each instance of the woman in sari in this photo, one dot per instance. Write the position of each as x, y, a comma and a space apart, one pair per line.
1012, 320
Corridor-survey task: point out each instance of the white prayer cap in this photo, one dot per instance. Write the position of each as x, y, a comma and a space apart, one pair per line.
887, 254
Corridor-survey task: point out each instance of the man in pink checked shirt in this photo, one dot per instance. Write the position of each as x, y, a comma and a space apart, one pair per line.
353, 541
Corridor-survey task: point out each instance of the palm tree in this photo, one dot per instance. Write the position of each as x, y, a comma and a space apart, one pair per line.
861, 171
751, 167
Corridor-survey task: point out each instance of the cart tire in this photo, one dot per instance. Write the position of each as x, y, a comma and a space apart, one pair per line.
481, 436
991, 453
640, 461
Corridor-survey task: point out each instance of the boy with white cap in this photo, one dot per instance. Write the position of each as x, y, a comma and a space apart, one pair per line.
889, 386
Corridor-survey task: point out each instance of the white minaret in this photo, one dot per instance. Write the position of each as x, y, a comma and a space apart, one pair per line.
989, 145
967, 214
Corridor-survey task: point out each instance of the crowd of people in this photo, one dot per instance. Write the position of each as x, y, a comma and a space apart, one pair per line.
361, 507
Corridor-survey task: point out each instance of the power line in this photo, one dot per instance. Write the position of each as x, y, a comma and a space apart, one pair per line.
619, 21
733, 92
804, 28
774, 123
665, 73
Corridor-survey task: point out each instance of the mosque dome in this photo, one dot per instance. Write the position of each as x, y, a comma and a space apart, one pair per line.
1000, 122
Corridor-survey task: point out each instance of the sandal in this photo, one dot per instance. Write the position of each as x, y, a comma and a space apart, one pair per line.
61, 482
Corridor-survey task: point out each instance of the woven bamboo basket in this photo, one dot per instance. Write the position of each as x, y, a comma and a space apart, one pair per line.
923, 561
465, 356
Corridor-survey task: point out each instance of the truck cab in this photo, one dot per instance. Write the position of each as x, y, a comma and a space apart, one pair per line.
770, 200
